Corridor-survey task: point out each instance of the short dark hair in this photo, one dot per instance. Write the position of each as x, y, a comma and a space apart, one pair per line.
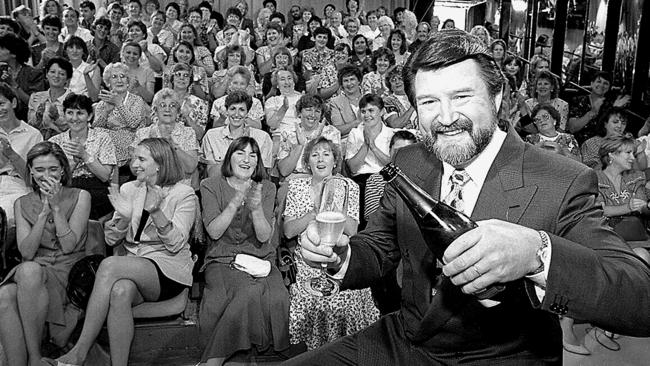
132, 44
205, 4
349, 70
87, 4
175, 6
78, 101
76, 12
546, 75
77, 42
606, 115
163, 153
139, 24
354, 40
315, 18
447, 48
321, 140
234, 11
282, 51
115, 6
195, 9
7, 92
275, 27
322, 30
399, 9
47, 148
605, 75
278, 15
158, 12
379, 53
136, 2
402, 135
5, 20
310, 101
548, 108
181, 67
275, 3
397, 32
373, 99
395, 70
235, 49
105, 22
612, 144
186, 44
62, 63
16, 46
239, 96
240, 143
51, 21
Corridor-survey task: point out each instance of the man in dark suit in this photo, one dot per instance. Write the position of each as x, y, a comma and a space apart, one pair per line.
539, 232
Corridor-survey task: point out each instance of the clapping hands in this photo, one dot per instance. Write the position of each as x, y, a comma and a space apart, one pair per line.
120, 202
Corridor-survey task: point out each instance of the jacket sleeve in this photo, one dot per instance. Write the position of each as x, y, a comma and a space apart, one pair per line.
182, 219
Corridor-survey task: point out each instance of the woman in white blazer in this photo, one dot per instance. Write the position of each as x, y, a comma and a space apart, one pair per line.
152, 222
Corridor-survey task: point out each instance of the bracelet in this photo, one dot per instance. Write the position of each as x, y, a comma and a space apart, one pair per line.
64, 235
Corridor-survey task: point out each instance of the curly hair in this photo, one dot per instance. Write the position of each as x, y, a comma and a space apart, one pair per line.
382, 52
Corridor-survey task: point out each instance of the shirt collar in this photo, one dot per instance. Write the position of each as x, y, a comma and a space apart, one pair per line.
479, 168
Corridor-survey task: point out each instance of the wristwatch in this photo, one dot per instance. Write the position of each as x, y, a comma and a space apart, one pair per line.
90, 160
542, 252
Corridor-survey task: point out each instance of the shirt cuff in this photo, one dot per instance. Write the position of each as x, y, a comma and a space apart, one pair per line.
539, 279
344, 267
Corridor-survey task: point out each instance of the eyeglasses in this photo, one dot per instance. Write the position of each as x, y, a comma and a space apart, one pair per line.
542, 118
172, 105
119, 76
185, 75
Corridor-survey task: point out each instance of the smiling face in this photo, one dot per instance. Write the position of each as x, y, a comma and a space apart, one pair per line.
281, 60
382, 64
243, 163
237, 114
306, 15
234, 59
397, 84
352, 28
134, 10
372, 21
395, 43
182, 80
56, 76
171, 14
44, 168
115, 15
371, 115
321, 161
600, 86
186, 34
131, 55
542, 65
143, 165
238, 82
313, 25
77, 119
544, 88
310, 117
384, 28
285, 82
136, 34
119, 81
6, 108
321, 40
360, 46
350, 84
228, 33
498, 52
51, 33
512, 68
422, 32
183, 54
195, 18
74, 52
157, 21
51, 8
615, 125
70, 18
272, 37
456, 112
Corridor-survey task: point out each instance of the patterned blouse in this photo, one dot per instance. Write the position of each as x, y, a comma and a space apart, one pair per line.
121, 122
557, 103
374, 83
579, 107
590, 156
98, 145
400, 104
199, 73
632, 186
287, 140
317, 60
204, 58
565, 140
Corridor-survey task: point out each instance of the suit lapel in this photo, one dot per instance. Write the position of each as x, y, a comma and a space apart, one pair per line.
503, 195
429, 175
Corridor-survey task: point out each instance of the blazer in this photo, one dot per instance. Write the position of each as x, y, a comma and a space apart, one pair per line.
170, 251
593, 273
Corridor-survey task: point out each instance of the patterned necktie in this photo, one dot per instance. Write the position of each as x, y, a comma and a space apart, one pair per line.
458, 179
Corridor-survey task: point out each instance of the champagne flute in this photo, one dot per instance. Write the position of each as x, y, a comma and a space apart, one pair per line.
330, 221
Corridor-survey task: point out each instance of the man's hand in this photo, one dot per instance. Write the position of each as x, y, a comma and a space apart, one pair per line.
314, 254
495, 252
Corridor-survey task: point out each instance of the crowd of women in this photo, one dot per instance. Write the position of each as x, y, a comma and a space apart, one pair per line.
180, 125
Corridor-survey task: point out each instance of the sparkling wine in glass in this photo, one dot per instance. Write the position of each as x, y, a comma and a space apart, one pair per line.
330, 221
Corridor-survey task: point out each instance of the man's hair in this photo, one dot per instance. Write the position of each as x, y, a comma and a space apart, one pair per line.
16, 46
62, 63
447, 48
7, 92
239, 96
78, 101
275, 3
51, 21
373, 99
5, 20
87, 4
279, 16
349, 70
402, 135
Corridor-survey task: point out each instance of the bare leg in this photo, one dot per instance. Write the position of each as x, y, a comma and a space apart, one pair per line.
11, 329
124, 296
33, 300
139, 270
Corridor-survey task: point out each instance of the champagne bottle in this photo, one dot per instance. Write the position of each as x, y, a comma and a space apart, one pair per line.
439, 223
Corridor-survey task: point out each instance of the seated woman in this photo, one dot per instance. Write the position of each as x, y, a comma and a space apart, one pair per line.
546, 91
613, 122
292, 142
231, 57
167, 126
398, 44
152, 56
183, 53
375, 82
217, 140
90, 151
280, 109
141, 79
86, 78
120, 112
51, 227
193, 110
238, 78
153, 218
399, 111
46, 107
344, 108
622, 195
245, 304
282, 60
320, 320
546, 119
203, 56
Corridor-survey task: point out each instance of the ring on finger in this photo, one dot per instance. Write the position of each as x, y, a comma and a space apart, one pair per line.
478, 273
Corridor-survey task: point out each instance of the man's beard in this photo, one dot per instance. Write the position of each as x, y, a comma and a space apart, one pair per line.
457, 154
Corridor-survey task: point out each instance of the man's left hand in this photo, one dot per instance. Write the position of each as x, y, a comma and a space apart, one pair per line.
495, 252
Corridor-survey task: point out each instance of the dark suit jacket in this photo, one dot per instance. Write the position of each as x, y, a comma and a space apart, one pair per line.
593, 275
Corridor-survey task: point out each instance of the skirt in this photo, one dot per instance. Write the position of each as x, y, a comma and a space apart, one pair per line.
240, 312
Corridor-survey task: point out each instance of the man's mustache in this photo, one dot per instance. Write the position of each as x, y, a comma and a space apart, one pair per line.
461, 124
